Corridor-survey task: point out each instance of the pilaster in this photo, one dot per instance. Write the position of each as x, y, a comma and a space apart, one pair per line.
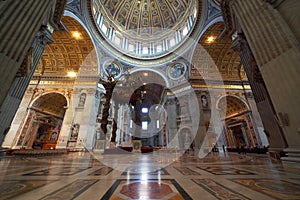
17, 90
263, 102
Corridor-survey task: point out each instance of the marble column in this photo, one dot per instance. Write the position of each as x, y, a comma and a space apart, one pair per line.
19, 22
263, 102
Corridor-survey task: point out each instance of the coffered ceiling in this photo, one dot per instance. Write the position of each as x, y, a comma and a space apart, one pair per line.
68, 52
146, 14
220, 49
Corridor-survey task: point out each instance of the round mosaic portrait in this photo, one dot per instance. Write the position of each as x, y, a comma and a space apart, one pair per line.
112, 68
177, 70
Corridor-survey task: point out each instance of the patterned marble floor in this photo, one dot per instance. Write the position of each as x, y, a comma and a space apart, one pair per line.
83, 175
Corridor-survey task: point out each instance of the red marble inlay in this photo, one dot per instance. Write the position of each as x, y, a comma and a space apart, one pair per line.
149, 190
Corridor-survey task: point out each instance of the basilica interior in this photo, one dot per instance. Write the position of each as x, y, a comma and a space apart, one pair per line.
149, 99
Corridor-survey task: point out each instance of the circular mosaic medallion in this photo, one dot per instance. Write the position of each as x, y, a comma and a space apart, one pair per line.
177, 70
112, 68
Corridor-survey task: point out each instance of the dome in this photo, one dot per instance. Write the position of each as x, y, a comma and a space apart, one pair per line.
144, 28
146, 16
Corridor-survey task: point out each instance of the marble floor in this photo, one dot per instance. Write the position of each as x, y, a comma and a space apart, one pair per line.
88, 176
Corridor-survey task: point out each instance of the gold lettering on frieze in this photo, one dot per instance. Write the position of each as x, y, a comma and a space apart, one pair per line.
238, 87
33, 82
188, 88
86, 83
52, 82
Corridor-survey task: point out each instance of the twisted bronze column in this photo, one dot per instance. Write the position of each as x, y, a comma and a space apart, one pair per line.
109, 87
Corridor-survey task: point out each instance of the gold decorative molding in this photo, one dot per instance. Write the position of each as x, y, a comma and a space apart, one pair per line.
232, 87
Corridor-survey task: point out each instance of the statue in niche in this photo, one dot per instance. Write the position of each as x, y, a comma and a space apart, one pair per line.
53, 136
204, 101
82, 99
74, 132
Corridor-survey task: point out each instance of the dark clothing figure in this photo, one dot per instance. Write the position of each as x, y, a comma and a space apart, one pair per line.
243, 150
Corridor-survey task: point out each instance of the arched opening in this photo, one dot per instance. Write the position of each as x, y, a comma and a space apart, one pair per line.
145, 107
137, 109
43, 123
239, 129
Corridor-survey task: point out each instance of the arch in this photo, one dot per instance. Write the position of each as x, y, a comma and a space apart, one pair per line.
204, 29
229, 101
238, 122
232, 95
235, 96
220, 48
45, 93
43, 122
161, 74
50, 103
210, 24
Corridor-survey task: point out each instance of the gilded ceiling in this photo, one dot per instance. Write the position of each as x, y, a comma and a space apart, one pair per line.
231, 106
135, 15
219, 47
51, 103
68, 52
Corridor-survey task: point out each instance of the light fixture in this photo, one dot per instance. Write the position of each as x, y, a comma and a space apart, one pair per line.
76, 35
71, 74
210, 39
145, 73
144, 110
